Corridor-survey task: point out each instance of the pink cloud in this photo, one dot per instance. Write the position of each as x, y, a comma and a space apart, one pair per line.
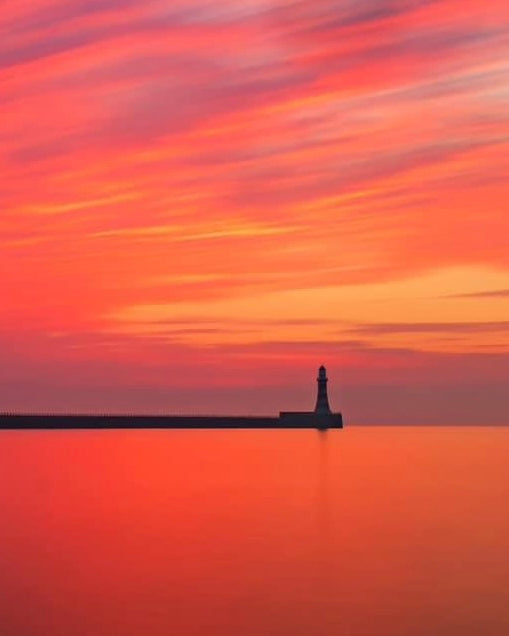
295, 143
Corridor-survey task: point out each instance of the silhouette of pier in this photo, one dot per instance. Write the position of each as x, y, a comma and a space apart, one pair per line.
322, 418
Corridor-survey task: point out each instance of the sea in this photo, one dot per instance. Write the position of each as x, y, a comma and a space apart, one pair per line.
393, 531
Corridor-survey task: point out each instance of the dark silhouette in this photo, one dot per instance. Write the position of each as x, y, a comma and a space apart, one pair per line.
322, 418
322, 401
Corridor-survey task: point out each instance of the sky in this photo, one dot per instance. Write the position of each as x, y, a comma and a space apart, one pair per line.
201, 201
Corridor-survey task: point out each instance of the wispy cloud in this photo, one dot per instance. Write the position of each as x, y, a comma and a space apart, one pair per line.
433, 327
184, 233
205, 174
490, 293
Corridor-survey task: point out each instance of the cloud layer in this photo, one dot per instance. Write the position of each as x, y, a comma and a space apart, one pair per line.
193, 183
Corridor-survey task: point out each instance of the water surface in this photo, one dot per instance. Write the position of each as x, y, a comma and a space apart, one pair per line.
365, 531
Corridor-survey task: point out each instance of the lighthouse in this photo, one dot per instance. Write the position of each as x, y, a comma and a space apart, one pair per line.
322, 401
322, 417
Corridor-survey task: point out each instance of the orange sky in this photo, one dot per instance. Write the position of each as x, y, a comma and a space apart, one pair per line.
203, 200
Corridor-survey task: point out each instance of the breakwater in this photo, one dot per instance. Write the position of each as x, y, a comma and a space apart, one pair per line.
285, 420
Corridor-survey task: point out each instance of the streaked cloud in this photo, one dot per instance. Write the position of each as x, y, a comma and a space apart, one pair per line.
335, 314
433, 327
181, 233
211, 178
490, 293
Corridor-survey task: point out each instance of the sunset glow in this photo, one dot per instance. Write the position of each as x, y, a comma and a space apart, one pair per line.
202, 201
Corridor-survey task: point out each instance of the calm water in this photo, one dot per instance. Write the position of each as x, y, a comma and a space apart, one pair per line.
374, 531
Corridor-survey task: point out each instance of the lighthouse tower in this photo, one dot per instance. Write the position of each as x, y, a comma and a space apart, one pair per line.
321, 418
322, 401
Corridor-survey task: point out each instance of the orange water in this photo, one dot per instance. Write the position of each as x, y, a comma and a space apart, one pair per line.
365, 531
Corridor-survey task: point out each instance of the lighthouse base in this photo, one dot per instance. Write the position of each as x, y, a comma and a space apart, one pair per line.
310, 419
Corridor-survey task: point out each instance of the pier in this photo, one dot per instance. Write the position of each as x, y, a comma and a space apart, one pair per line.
321, 418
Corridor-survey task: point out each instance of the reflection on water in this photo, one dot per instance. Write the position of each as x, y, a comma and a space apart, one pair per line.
376, 531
